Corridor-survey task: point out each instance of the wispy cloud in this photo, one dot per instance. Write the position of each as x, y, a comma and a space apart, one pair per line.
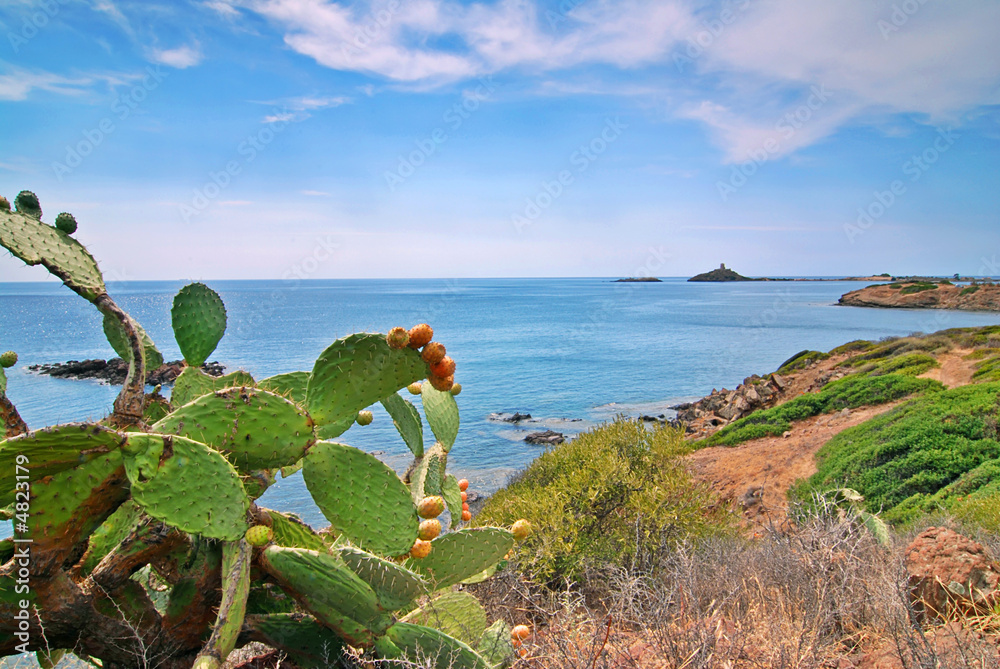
298, 108
181, 58
17, 83
315, 193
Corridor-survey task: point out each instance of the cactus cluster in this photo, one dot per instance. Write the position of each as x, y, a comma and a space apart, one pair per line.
145, 534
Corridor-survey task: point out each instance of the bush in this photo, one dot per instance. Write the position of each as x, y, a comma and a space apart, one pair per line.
801, 360
618, 494
922, 456
917, 288
969, 290
909, 364
848, 393
853, 346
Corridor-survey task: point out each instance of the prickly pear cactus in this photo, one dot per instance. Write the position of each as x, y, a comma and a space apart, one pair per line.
146, 538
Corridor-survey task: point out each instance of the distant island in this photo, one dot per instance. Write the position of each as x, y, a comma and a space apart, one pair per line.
926, 294
721, 274
639, 279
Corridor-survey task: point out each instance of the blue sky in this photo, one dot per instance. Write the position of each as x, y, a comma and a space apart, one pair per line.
411, 138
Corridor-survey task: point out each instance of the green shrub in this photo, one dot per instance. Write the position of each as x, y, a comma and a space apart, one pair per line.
917, 288
848, 393
801, 360
612, 495
853, 346
918, 457
909, 364
968, 290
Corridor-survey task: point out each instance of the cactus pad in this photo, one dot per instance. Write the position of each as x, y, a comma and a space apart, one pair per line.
253, 428
495, 645
192, 383
357, 371
457, 614
36, 243
442, 415
396, 587
362, 497
428, 477
115, 333
308, 643
419, 643
453, 498
198, 317
459, 555
165, 469
327, 588
291, 385
110, 534
407, 421
291, 532
52, 450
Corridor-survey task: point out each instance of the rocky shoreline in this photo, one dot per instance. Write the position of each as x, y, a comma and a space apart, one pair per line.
925, 295
113, 371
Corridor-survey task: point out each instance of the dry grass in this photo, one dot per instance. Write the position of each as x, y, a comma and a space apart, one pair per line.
823, 595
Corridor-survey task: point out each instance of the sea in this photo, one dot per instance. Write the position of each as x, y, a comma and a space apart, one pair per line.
570, 352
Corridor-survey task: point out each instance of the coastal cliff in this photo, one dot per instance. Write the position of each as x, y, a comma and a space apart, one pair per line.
925, 295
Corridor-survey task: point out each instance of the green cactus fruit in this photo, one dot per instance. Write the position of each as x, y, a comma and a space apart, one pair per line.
429, 529
198, 317
457, 614
428, 475
52, 450
118, 339
4, 204
3, 384
456, 389
495, 645
442, 415
111, 533
452, 494
395, 586
309, 644
420, 335
254, 429
420, 644
430, 507
66, 222
259, 535
192, 383
459, 555
521, 530
414, 388
57, 526
327, 588
397, 338
365, 418
291, 532
27, 203
291, 385
362, 497
36, 243
407, 421
357, 371
164, 469
8, 359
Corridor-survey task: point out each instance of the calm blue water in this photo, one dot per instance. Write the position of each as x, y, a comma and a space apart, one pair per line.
571, 352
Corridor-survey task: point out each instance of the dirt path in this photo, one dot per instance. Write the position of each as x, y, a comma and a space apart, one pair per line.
955, 370
755, 475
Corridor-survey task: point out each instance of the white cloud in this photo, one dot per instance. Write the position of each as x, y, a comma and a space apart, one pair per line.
181, 58
297, 109
17, 83
937, 62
